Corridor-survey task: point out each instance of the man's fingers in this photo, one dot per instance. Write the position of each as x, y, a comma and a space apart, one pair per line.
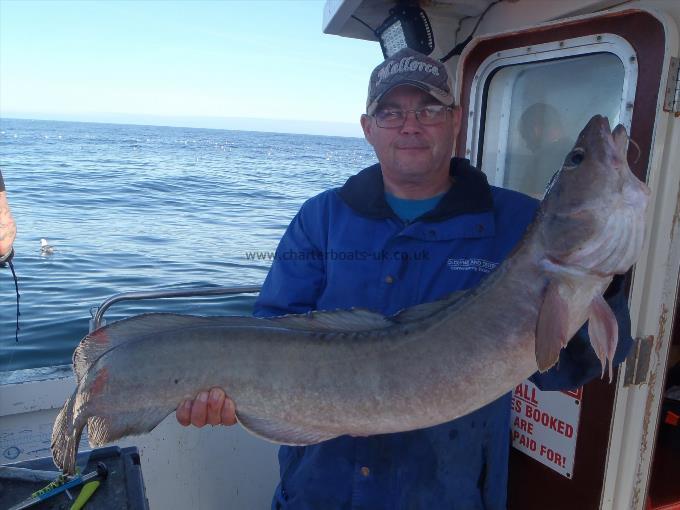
215, 402
228, 412
207, 408
183, 413
199, 410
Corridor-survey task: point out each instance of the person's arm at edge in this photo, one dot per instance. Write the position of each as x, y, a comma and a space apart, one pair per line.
8, 228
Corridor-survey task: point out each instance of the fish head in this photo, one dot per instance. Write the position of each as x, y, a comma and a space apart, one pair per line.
593, 213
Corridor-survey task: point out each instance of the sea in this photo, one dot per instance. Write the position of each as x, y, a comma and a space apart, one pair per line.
129, 208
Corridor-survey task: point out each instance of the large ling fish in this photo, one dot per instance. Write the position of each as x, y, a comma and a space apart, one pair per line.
302, 379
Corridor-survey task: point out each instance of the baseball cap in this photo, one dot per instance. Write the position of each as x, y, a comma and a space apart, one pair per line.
408, 67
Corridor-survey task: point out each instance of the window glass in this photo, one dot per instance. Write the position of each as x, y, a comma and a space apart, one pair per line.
535, 111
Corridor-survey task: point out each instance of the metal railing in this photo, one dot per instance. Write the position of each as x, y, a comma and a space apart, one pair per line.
97, 313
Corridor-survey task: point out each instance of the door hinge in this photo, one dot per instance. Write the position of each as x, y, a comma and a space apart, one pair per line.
671, 102
637, 362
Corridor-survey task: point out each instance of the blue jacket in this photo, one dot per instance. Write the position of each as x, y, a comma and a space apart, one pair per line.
347, 248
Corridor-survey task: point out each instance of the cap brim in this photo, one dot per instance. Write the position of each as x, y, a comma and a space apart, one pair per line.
439, 95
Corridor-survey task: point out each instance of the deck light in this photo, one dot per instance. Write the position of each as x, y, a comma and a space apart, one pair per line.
405, 26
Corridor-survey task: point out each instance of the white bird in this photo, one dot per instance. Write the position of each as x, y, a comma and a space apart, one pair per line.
46, 249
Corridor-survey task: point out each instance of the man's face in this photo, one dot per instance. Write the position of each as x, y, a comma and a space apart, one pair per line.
413, 152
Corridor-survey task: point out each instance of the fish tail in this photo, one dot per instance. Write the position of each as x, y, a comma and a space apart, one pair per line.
66, 437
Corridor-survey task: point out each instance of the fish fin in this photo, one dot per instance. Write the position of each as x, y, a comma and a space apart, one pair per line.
356, 319
65, 438
134, 328
552, 327
417, 312
105, 429
282, 433
603, 331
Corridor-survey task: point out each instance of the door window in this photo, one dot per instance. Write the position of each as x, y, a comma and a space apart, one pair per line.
536, 110
528, 105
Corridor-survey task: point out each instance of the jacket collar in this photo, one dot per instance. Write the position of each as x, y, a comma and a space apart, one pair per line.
470, 193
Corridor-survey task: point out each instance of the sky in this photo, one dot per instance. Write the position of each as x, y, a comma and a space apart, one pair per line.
255, 65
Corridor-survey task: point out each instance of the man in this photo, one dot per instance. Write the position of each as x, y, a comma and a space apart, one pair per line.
8, 228
429, 225
543, 132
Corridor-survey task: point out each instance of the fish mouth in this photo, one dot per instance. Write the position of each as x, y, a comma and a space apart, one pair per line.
598, 124
615, 140
598, 133
616, 148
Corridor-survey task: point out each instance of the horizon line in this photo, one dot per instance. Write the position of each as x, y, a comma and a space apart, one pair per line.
262, 125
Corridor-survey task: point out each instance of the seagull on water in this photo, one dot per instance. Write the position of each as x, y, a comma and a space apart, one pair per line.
45, 248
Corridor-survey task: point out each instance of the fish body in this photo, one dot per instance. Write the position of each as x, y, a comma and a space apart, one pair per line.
303, 379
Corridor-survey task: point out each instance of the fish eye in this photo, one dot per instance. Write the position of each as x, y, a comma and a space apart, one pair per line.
574, 158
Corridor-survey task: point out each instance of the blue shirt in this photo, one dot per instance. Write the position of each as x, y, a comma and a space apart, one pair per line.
409, 209
347, 248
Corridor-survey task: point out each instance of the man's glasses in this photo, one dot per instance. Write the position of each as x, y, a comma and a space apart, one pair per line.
427, 115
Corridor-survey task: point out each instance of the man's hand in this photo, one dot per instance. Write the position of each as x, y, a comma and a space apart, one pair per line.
208, 408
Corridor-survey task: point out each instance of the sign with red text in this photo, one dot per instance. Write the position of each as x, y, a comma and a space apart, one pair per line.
544, 425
